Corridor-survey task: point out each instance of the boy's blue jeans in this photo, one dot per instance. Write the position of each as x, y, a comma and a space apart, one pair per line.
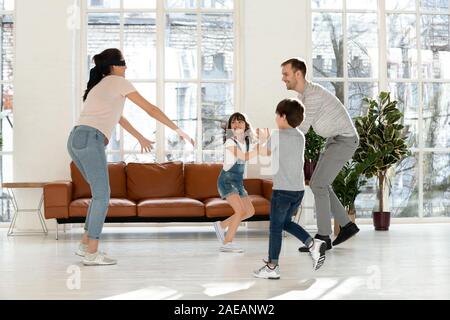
284, 205
86, 146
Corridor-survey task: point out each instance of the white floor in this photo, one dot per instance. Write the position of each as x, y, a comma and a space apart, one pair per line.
407, 262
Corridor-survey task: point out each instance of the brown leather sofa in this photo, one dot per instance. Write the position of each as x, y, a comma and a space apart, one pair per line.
167, 192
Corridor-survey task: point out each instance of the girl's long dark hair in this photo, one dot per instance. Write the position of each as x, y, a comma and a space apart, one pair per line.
227, 133
102, 68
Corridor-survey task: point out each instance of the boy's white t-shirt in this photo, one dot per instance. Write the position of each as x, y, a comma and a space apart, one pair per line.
104, 104
229, 158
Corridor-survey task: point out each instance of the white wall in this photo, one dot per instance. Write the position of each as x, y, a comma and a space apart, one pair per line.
45, 78
43, 95
272, 31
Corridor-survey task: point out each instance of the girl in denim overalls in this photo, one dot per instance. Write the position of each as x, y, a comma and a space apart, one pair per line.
237, 139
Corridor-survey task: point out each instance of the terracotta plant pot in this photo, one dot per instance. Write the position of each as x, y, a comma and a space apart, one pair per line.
381, 221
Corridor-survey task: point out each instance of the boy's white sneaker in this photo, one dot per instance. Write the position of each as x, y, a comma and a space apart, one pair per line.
98, 259
220, 233
317, 252
231, 247
267, 272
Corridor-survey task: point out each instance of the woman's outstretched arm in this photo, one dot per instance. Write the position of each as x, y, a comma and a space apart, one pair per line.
156, 113
146, 145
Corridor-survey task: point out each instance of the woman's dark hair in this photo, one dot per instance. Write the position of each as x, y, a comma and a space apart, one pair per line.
103, 62
227, 133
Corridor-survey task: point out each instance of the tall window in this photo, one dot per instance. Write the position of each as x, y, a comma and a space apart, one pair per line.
402, 46
181, 57
6, 114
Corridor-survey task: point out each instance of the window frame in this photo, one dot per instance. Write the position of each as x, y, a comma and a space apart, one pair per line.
11, 81
160, 81
383, 80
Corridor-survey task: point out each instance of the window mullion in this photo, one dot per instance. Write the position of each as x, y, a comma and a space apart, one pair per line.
121, 38
83, 53
198, 150
160, 78
345, 55
382, 47
238, 46
421, 123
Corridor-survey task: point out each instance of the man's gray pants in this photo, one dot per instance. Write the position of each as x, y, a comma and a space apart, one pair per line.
338, 150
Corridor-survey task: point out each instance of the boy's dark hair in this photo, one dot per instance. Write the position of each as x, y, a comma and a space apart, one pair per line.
293, 109
296, 65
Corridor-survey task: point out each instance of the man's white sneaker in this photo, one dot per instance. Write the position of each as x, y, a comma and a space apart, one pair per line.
317, 252
231, 247
81, 251
220, 233
267, 272
98, 259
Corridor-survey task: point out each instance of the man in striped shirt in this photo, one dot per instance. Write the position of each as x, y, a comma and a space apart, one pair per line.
329, 119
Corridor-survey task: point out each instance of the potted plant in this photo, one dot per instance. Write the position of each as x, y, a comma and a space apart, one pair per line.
313, 147
348, 183
347, 186
380, 130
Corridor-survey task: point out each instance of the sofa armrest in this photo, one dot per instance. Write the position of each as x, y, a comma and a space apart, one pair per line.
267, 188
57, 199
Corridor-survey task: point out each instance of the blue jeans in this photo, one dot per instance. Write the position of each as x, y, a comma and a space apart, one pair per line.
284, 205
86, 146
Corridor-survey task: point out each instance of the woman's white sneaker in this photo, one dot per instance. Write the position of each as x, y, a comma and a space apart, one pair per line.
231, 247
98, 259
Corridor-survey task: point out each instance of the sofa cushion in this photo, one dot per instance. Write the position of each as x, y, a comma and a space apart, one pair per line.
155, 180
117, 208
170, 207
117, 181
216, 207
200, 180
253, 186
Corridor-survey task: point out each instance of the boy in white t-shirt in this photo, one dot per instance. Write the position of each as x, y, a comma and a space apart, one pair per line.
287, 146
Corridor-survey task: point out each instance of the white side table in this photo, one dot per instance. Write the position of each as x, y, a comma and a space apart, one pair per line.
10, 186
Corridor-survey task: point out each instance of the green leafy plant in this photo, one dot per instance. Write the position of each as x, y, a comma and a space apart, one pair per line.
382, 137
349, 181
347, 186
313, 146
